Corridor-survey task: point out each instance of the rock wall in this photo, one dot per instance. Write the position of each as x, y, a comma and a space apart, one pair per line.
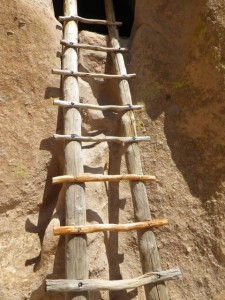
176, 49
178, 54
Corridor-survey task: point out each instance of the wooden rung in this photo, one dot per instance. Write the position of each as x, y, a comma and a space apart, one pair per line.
97, 107
100, 177
64, 230
72, 285
120, 140
88, 21
92, 47
93, 75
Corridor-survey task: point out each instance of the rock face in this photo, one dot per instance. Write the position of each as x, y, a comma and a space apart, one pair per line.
177, 53
180, 67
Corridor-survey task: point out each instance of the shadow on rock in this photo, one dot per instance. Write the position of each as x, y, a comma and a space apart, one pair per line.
196, 143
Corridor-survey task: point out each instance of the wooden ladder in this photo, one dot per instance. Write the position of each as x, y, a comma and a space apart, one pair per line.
76, 285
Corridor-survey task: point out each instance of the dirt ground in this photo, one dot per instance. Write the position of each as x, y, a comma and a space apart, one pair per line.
177, 52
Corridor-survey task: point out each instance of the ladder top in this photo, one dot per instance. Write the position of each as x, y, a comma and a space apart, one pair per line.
88, 21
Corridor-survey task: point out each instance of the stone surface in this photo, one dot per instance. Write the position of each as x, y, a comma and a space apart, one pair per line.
181, 83
176, 49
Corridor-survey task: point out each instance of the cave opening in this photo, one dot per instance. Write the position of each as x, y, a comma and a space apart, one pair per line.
94, 9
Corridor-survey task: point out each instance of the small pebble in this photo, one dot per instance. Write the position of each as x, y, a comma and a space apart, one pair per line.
10, 33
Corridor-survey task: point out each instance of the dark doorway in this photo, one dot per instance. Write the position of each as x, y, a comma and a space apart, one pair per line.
124, 11
58, 8
94, 9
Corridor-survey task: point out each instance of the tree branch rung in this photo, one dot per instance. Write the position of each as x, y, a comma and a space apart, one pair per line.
119, 108
64, 230
101, 178
88, 21
92, 75
63, 285
93, 47
120, 140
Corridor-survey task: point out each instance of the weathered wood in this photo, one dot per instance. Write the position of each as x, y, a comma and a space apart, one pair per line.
75, 207
63, 230
92, 75
101, 178
120, 140
117, 108
88, 21
92, 47
147, 244
62, 285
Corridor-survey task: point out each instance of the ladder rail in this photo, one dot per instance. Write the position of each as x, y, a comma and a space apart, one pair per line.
150, 259
75, 207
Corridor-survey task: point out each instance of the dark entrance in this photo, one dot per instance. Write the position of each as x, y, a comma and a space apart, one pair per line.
94, 9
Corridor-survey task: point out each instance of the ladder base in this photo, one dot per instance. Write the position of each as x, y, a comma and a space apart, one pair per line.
66, 285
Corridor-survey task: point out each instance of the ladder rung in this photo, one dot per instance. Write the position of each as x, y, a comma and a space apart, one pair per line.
88, 21
95, 75
120, 140
64, 230
97, 107
92, 47
101, 177
72, 285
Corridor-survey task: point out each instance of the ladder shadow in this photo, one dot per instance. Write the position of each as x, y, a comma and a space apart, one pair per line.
58, 273
112, 242
50, 197
198, 158
49, 209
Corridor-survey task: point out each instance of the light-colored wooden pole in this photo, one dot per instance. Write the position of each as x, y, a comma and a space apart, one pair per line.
147, 244
76, 246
